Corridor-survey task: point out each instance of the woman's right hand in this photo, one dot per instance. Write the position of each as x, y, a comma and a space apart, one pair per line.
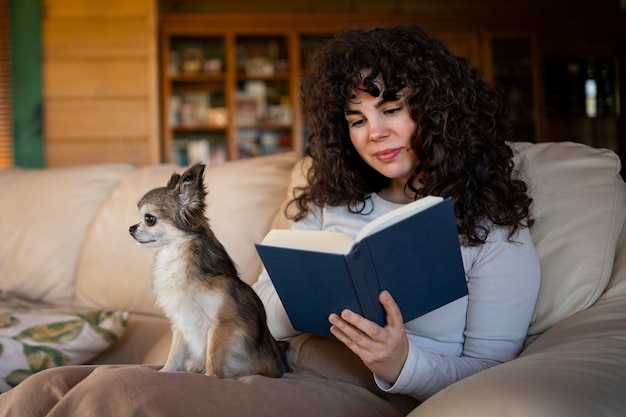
382, 349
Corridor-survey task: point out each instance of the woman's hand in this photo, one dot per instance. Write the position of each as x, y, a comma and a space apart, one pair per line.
383, 349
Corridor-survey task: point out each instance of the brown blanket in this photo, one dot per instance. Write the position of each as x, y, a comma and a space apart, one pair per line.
326, 380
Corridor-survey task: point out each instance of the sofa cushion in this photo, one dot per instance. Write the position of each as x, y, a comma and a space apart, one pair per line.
45, 214
37, 336
580, 209
243, 197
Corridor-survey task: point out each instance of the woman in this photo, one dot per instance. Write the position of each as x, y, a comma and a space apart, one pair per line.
394, 117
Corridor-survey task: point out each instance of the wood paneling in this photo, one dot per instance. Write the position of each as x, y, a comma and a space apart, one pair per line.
110, 151
87, 77
97, 36
95, 119
81, 8
100, 82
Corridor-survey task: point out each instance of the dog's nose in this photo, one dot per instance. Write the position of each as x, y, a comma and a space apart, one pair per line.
132, 229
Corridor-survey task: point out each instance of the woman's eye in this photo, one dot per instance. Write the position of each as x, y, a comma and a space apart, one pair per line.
393, 110
150, 219
356, 122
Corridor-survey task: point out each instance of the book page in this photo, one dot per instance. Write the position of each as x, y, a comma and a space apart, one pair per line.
312, 240
397, 215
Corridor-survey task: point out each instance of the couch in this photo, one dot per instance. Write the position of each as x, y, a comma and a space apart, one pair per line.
65, 249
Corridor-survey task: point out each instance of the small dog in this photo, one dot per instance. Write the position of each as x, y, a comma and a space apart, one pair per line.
218, 322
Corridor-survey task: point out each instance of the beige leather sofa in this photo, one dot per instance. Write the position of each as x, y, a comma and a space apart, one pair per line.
64, 239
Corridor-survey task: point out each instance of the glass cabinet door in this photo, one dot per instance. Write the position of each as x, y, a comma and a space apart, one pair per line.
197, 116
263, 103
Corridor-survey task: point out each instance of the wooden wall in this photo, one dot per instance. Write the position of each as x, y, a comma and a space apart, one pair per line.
100, 81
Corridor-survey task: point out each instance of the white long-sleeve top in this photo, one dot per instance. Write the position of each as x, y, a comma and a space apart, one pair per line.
471, 334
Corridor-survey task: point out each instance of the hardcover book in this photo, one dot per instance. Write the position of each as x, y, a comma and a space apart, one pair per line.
413, 252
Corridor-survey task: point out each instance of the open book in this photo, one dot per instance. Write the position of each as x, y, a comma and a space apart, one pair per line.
413, 252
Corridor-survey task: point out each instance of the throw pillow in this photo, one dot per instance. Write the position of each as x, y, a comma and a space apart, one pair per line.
36, 336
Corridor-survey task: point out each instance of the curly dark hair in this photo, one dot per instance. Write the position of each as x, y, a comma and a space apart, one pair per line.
459, 140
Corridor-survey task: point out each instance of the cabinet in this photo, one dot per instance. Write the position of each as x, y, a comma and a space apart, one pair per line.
228, 94
512, 63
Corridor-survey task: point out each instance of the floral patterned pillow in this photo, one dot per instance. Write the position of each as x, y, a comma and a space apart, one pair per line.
36, 336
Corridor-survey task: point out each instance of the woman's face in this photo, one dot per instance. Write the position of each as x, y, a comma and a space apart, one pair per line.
381, 133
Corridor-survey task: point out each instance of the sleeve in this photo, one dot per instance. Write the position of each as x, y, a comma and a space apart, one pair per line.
277, 319
503, 284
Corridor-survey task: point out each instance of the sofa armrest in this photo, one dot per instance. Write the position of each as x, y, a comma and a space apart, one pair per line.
577, 368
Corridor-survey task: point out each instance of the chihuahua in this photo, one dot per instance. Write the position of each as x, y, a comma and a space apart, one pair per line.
218, 322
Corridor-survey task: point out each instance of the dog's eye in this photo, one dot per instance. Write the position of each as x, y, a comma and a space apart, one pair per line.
150, 219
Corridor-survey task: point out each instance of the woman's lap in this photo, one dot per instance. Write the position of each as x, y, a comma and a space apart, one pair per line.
326, 379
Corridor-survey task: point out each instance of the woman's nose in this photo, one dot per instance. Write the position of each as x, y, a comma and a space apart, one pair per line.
378, 131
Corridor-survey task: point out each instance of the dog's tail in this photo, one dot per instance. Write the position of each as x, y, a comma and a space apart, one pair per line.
283, 347
275, 351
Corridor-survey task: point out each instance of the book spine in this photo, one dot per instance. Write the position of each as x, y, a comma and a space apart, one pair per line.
365, 282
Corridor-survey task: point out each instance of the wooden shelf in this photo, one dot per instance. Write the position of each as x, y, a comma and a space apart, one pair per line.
195, 78
198, 128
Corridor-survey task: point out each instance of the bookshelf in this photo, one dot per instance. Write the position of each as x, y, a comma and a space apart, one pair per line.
228, 94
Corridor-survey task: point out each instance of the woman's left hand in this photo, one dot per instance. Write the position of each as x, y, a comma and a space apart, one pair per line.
383, 349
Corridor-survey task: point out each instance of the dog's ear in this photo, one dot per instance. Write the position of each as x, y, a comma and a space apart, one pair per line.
191, 191
171, 184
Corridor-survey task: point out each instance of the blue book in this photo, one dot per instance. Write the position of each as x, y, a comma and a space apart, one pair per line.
413, 252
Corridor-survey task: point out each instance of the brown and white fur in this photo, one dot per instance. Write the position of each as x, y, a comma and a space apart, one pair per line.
218, 322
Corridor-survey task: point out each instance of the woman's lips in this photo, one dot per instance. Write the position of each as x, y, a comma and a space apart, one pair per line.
387, 155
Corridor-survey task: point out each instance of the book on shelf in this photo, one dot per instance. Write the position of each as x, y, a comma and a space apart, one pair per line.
413, 252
